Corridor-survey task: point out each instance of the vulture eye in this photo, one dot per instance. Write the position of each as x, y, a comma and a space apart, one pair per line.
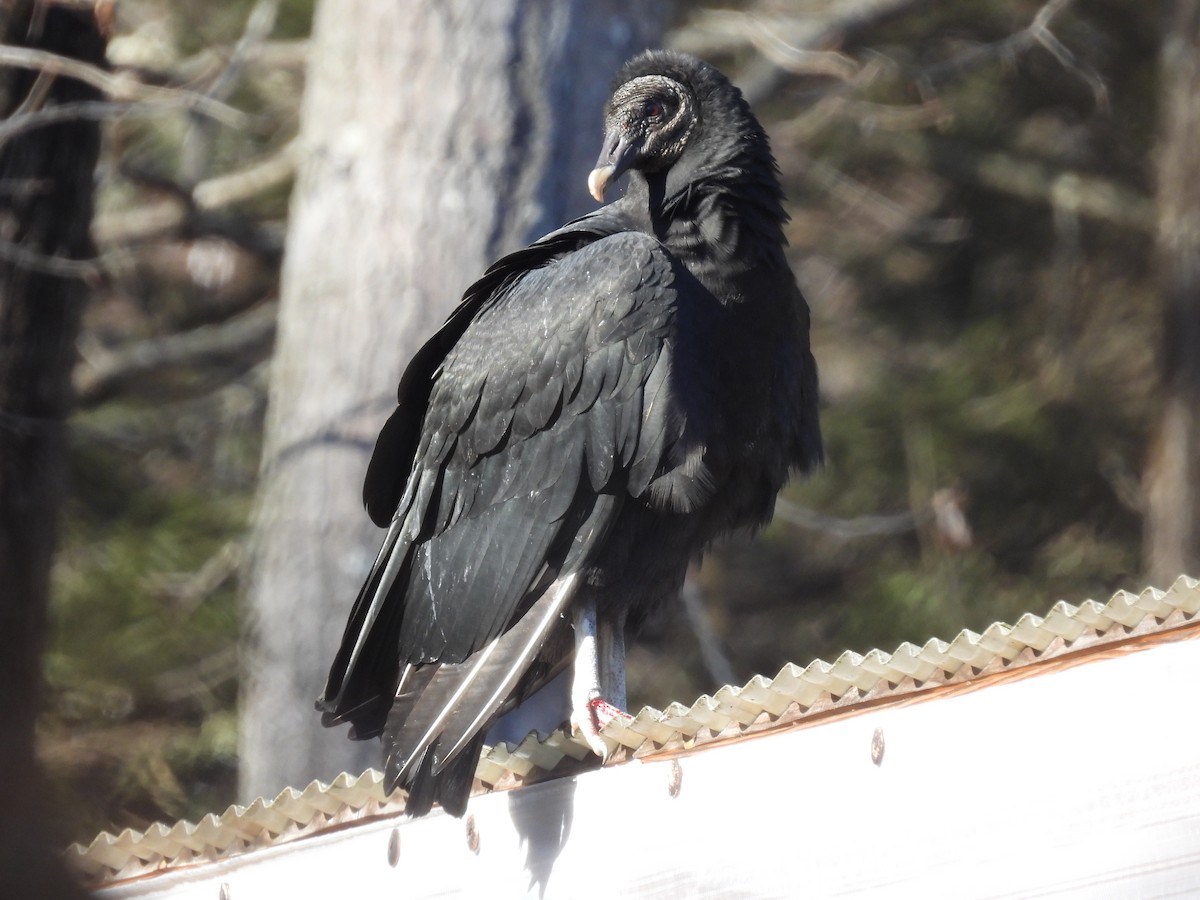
653, 109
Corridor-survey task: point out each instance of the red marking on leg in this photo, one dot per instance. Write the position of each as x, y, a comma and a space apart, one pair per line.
604, 712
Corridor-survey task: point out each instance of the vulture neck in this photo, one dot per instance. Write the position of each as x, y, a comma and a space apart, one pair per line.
725, 215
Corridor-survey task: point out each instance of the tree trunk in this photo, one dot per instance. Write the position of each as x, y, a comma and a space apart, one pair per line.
438, 135
1172, 482
45, 209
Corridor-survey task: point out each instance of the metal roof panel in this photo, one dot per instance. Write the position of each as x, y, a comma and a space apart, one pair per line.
761, 704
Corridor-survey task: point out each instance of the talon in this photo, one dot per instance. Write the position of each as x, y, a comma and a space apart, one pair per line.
590, 721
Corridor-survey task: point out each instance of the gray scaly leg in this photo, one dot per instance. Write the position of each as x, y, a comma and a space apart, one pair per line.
598, 681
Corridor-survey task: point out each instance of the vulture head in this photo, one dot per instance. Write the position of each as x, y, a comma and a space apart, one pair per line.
673, 114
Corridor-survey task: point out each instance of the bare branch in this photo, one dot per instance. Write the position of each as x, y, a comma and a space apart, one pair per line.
273, 55
37, 94
844, 529
712, 651
189, 590
1073, 64
259, 24
254, 180
144, 427
798, 44
98, 377
892, 116
1125, 484
119, 86
199, 138
723, 31
765, 35
94, 110
150, 219
853, 193
1087, 195
1037, 33
1029, 179
88, 270
198, 680
137, 224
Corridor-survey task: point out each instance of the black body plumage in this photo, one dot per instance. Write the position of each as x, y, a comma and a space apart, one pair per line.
600, 406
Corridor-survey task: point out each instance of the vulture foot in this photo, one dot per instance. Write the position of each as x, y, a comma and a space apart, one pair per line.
590, 719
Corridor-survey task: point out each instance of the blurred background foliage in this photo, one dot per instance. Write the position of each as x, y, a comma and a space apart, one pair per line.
972, 223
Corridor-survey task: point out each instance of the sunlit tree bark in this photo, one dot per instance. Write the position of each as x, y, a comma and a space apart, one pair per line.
1172, 481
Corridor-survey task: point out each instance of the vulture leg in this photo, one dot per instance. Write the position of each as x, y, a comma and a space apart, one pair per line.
585, 680
599, 668
610, 636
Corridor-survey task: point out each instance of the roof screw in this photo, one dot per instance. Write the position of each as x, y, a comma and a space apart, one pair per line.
877, 747
674, 778
224, 893
472, 836
394, 848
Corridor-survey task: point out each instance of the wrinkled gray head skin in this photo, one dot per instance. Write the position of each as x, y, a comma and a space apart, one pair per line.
647, 124
672, 111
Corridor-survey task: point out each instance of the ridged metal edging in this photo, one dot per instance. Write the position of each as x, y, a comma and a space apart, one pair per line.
762, 703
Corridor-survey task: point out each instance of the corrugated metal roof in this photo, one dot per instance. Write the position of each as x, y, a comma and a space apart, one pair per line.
292, 814
793, 696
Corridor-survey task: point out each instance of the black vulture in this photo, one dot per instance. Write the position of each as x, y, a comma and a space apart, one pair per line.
600, 406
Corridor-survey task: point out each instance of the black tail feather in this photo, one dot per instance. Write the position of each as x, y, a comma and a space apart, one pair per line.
453, 704
450, 788
360, 684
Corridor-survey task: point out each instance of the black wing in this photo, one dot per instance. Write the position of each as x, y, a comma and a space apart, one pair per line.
550, 405
395, 449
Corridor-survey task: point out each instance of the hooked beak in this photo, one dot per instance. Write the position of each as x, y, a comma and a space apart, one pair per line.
616, 157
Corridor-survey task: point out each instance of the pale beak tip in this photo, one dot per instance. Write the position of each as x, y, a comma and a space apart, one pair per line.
598, 181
